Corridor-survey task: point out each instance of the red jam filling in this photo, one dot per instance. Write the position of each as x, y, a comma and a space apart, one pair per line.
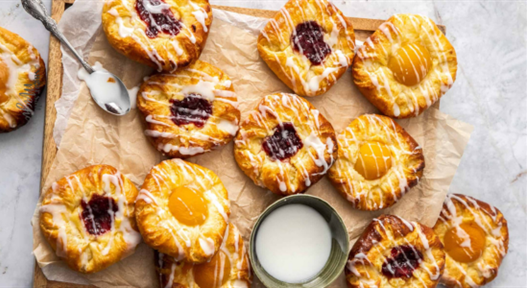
97, 214
284, 143
157, 18
192, 109
402, 263
308, 39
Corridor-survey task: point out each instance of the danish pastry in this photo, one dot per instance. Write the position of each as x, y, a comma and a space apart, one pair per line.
228, 268
476, 239
164, 34
190, 111
309, 45
22, 79
88, 218
182, 210
393, 252
377, 163
405, 66
285, 144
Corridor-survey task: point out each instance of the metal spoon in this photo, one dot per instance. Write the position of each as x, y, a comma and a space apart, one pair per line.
114, 104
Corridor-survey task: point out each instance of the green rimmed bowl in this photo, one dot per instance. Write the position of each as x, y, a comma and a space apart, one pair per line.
339, 244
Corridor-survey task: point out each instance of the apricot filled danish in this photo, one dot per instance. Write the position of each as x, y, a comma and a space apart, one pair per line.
228, 268
22, 80
476, 239
164, 34
405, 66
88, 218
285, 144
189, 112
183, 210
309, 45
378, 162
393, 252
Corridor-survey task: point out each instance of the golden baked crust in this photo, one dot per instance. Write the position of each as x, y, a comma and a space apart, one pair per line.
406, 155
373, 262
306, 165
22, 80
183, 275
127, 32
156, 101
276, 45
459, 209
162, 231
376, 80
81, 222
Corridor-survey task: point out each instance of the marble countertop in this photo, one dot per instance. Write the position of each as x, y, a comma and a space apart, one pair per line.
490, 93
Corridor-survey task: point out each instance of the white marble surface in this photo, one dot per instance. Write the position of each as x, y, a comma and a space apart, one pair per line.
490, 93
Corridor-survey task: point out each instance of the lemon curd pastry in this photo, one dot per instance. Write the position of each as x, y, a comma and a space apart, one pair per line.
190, 111
405, 66
22, 79
393, 252
285, 144
377, 163
309, 45
229, 268
88, 218
164, 34
476, 239
183, 210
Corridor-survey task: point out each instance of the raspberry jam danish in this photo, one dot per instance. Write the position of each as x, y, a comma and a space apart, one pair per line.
183, 211
285, 144
392, 252
405, 66
228, 268
378, 162
22, 80
189, 112
476, 239
309, 45
88, 218
163, 34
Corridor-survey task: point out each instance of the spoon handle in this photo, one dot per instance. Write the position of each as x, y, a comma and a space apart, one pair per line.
37, 9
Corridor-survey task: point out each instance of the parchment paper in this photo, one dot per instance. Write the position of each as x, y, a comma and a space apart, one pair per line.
94, 137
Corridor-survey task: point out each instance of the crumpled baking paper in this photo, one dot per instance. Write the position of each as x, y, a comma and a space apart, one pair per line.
88, 136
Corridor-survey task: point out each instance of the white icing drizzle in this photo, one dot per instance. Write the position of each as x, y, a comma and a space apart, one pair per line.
206, 86
360, 189
453, 217
382, 77
311, 80
133, 27
121, 226
318, 147
196, 179
16, 68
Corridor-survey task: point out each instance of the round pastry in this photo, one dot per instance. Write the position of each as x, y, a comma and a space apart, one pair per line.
405, 66
378, 162
22, 79
191, 111
476, 239
285, 144
88, 218
182, 210
164, 34
309, 45
228, 268
393, 252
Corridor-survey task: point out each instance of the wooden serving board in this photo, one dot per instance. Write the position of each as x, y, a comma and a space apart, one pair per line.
363, 28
